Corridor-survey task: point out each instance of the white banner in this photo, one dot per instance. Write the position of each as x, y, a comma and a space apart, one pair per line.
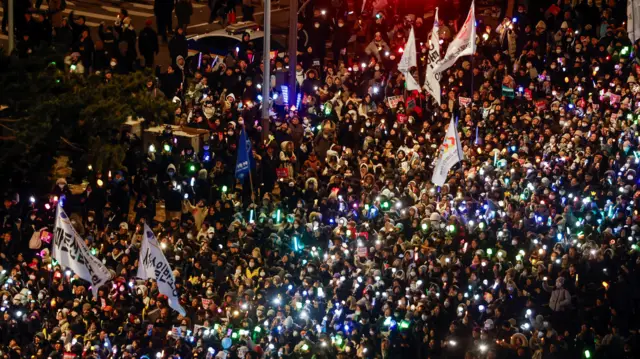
411, 83
633, 19
432, 78
463, 44
154, 265
450, 154
409, 56
71, 252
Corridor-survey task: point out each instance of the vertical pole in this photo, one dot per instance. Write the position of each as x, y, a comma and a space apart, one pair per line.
12, 26
266, 77
293, 49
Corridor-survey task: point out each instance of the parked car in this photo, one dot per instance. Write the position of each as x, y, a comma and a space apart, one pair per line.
220, 42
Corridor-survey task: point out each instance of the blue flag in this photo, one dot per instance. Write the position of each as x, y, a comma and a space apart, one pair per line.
244, 162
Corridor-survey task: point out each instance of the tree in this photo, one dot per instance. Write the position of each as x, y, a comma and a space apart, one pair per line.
50, 112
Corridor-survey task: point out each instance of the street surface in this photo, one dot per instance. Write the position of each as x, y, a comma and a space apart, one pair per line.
105, 11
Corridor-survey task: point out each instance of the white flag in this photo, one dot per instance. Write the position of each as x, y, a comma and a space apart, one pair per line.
154, 265
411, 83
450, 154
463, 44
409, 56
432, 78
71, 252
633, 19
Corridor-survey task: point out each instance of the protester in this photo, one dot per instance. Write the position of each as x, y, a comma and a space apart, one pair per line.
332, 240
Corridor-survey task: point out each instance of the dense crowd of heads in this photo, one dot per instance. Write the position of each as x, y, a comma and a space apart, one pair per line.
339, 245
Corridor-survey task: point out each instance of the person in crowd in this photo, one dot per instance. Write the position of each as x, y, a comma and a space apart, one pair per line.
163, 9
148, 44
184, 10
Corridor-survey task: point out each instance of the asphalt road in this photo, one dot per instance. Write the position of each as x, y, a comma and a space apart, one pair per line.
97, 11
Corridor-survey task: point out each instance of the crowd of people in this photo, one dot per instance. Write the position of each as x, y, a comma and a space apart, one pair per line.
339, 245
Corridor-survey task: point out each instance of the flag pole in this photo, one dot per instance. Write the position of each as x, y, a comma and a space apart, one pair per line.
253, 201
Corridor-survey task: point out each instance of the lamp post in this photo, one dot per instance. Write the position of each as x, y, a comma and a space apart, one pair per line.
293, 48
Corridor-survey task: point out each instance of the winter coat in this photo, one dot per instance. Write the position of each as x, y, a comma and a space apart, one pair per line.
184, 10
55, 10
148, 41
372, 49
178, 46
560, 298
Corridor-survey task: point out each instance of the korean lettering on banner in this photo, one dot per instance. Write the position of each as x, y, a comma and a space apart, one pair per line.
161, 269
401, 118
541, 105
68, 355
508, 92
282, 172
528, 95
464, 101
65, 241
393, 101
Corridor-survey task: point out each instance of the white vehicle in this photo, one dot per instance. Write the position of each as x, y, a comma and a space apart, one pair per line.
221, 42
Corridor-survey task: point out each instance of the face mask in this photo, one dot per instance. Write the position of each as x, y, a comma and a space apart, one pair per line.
368, 124
553, 67
230, 133
316, 25
558, 51
340, 25
425, 317
33, 218
377, 68
177, 258
61, 186
251, 265
262, 274
514, 243
395, 125
447, 304
189, 236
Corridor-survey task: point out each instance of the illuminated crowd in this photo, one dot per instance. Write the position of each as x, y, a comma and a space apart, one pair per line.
338, 245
